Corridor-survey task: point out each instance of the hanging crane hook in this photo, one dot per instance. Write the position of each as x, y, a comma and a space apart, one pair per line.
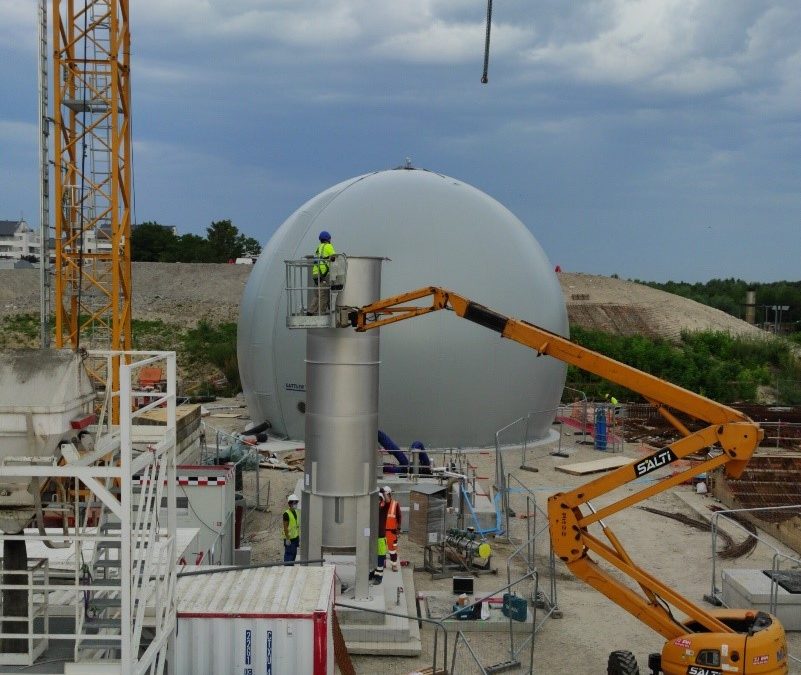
484, 78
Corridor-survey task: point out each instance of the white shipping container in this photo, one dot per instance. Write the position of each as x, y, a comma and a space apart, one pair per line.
268, 621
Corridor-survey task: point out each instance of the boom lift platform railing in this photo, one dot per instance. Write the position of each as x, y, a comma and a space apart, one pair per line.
312, 304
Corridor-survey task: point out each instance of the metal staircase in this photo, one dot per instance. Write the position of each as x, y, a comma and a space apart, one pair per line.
121, 594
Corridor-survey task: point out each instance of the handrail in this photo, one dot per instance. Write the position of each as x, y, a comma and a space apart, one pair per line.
531, 538
717, 515
479, 529
583, 402
500, 466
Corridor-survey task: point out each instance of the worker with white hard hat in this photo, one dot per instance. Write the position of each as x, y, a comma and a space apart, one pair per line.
291, 521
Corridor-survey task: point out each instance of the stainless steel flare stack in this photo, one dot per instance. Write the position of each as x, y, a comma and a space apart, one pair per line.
338, 507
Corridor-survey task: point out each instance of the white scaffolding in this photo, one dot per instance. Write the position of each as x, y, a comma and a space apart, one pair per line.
120, 590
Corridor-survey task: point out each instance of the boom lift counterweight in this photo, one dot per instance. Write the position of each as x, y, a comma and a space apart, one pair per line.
706, 641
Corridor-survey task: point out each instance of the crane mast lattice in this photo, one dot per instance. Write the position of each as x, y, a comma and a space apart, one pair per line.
92, 173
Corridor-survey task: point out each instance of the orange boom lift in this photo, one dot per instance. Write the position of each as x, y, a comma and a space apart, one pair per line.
704, 642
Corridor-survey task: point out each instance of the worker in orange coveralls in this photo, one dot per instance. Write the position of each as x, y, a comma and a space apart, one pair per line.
393, 526
377, 575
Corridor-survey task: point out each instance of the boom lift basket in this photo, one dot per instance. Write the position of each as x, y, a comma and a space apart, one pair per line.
310, 304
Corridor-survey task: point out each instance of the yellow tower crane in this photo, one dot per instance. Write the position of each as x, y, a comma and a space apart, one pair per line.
92, 173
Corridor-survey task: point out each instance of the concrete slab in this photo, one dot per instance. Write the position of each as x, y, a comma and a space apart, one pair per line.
359, 625
751, 589
395, 635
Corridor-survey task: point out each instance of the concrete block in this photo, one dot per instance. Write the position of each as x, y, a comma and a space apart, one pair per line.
750, 589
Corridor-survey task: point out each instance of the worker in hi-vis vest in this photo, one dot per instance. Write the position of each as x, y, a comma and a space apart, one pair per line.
377, 575
323, 257
614, 409
291, 520
393, 525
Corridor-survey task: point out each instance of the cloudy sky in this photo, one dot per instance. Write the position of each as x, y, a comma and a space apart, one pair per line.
655, 139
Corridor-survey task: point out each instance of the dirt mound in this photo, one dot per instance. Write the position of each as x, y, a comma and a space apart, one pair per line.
184, 293
627, 308
175, 293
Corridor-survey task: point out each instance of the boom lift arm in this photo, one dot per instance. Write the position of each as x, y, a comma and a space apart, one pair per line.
571, 513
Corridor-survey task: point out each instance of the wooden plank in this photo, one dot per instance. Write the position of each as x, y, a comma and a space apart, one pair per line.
595, 466
158, 416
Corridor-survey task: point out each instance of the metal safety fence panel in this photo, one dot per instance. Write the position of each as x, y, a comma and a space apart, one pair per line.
527, 522
782, 561
492, 647
246, 458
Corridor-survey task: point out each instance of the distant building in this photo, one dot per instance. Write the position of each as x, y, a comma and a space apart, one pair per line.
18, 240
98, 240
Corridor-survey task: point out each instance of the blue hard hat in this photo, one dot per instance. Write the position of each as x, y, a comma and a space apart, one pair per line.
325, 236
418, 445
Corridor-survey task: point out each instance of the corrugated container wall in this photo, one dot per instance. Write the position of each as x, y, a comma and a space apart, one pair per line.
259, 621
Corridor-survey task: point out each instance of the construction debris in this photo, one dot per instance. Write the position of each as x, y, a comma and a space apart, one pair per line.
730, 551
287, 464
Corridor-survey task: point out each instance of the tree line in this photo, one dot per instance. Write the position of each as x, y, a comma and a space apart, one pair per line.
722, 367
728, 295
153, 242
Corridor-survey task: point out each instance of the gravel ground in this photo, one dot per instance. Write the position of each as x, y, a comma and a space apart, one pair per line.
591, 625
179, 293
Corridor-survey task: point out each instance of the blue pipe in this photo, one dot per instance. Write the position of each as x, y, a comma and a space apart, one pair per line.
389, 445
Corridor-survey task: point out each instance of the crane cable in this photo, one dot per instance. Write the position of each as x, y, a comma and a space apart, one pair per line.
484, 78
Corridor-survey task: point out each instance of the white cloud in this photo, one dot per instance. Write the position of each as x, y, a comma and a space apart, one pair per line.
674, 46
304, 22
441, 42
774, 55
698, 77
352, 27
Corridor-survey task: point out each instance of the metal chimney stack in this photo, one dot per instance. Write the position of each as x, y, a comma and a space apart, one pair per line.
750, 306
339, 511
